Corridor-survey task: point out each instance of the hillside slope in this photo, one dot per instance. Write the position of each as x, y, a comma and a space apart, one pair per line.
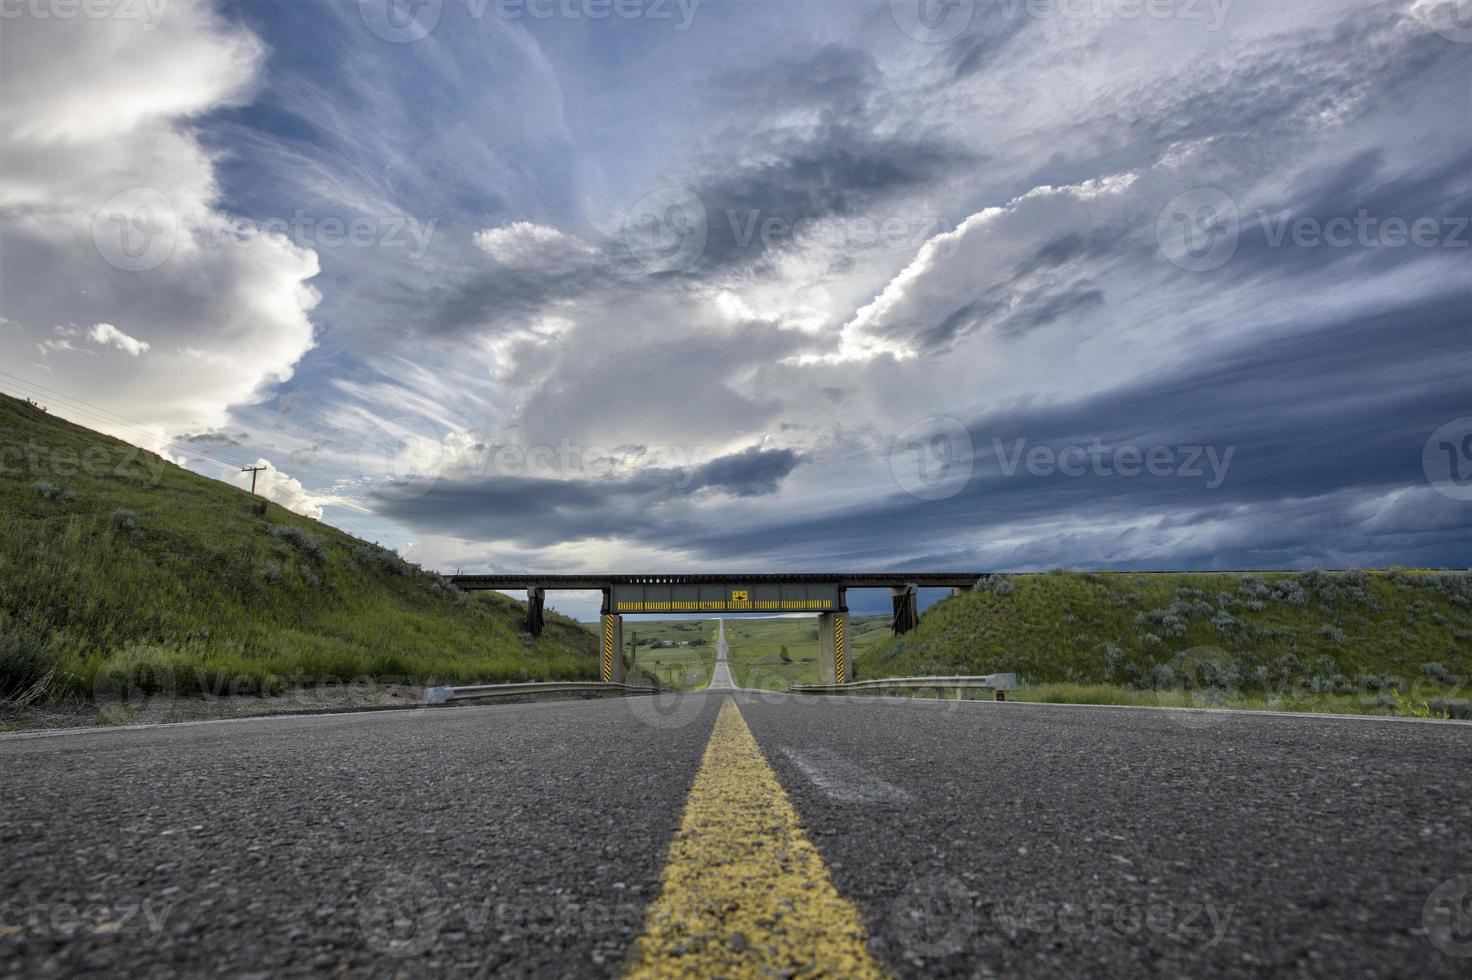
1336, 632
117, 567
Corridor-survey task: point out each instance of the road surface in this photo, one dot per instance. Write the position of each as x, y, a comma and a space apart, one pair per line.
720, 678
922, 838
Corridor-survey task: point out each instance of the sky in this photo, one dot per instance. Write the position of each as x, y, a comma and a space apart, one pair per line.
649, 285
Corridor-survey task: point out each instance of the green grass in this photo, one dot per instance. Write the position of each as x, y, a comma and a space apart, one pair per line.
755, 649
1352, 635
119, 568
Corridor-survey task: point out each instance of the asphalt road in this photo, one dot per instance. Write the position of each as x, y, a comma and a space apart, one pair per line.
720, 677
975, 839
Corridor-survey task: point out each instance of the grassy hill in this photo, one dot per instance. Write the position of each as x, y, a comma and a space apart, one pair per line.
1316, 632
119, 568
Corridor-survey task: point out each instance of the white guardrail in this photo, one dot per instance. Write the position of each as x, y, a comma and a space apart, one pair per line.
1000, 683
441, 695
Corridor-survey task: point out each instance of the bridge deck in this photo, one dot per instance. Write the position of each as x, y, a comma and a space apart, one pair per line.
843, 580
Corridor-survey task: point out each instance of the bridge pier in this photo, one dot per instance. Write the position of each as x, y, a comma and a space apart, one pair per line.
833, 648
534, 621
906, 599
612, 649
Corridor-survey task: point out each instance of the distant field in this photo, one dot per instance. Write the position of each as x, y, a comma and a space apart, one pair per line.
679, 667
755, 648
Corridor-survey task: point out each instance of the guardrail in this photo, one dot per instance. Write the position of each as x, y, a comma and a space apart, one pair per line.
1000, 683
441, 695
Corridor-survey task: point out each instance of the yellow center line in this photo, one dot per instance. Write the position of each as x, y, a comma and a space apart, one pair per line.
744, 892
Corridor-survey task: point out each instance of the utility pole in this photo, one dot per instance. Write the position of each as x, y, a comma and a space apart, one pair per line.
252, 470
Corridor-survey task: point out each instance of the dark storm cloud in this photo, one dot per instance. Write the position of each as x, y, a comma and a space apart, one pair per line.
841, 171
754, 472
1319, 423
538, 512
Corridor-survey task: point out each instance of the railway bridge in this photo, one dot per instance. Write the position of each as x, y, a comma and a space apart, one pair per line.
824, 593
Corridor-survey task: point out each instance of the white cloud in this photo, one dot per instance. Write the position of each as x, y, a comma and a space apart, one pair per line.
281, 488
106, 199
524, 244
106, 333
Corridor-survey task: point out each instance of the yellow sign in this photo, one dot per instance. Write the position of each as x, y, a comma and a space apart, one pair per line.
739, 595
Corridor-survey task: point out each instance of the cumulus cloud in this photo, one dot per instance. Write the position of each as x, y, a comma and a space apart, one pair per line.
110, 214
107, 334
522, 243
280, 488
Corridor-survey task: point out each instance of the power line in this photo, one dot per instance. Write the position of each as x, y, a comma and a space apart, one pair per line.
142, 430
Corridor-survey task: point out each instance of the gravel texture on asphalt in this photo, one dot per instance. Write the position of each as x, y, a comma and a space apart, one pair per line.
976, 839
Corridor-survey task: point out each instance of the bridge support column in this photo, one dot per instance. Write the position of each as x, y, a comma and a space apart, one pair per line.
833, 648
612, 651
534, 622
906, 600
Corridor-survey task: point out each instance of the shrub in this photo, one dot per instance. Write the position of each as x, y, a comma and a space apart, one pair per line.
1437, 672
307, 544
25, 662
1003, 587
124, 519
47, 489
1461, 710
1333, 634
1254, 587
271, 572
1162, 676
377, 556
1226, 624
